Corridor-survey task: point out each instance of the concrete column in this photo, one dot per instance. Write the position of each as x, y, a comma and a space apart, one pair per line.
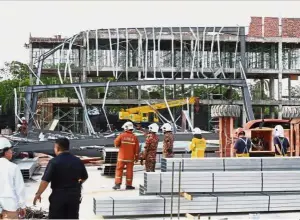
289, 88
280, 69
83, 77
192, 91
271, 95
139, 89
244, 115
30, 63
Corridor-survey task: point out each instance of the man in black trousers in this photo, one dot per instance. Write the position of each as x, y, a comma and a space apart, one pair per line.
66, 173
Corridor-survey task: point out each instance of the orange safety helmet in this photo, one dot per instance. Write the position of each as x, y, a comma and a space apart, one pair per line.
238, 131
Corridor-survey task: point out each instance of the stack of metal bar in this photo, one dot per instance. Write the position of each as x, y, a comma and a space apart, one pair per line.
250, 185
27, 166
231, 164
110, 156
201, 203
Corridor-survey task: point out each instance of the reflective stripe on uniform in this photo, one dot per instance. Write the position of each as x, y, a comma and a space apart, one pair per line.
242, 155
125, 160
127, 142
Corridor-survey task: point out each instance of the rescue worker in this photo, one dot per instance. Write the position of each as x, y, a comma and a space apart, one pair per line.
12, 193
168, 141
150, 149
129, 149
198, 144
66, 173
281, 143
242, 145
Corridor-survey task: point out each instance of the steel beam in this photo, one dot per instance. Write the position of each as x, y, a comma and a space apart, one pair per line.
232, 82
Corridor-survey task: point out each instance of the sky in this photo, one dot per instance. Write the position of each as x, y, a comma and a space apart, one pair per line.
49, 18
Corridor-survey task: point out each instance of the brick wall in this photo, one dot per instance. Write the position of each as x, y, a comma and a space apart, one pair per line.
269, 27
255, 29
291, 27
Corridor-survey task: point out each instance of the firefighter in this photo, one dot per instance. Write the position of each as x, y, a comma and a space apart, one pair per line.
168, 141
198, 144
151, 144
281, 143
242, 145
128, 145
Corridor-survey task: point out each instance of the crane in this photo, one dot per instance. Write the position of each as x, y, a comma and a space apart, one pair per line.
148, 113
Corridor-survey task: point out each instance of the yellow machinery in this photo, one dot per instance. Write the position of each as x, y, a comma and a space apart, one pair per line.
148, 113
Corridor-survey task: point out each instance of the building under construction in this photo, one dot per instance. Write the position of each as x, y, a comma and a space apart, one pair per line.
268, 53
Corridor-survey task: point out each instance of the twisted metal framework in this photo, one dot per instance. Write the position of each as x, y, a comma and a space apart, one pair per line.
150, 56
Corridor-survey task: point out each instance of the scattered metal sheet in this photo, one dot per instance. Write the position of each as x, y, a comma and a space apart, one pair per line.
27, 166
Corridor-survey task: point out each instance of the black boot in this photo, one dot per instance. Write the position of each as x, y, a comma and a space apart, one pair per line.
130, 187
117, 186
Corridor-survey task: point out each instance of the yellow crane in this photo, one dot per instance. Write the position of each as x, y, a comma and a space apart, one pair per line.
148, 113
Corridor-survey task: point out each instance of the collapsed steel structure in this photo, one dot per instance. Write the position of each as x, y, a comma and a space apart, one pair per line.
146, 56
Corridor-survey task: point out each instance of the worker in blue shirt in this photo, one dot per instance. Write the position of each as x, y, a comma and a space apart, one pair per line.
281, 143
243, 144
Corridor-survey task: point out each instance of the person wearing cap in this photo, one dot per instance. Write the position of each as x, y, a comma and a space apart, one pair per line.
198, 144
12, 193
150, 149
168, 141
242, 145
129, 149
281, 143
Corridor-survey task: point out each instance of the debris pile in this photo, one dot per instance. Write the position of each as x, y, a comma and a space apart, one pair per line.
32, 213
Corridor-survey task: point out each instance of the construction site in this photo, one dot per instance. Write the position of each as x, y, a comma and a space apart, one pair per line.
215, 79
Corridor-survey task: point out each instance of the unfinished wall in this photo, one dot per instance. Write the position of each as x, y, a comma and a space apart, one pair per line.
269, 27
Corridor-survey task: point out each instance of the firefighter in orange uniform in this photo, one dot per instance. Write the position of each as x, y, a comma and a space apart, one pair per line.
128, 145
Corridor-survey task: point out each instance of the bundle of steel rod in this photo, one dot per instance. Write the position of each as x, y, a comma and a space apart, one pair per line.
231, 164
201, 203
212, 182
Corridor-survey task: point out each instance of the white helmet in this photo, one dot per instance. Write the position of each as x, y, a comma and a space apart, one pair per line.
4, 143
278, 131
23, 118
18, 126
128, 126
153, 128
166, 127
196, 131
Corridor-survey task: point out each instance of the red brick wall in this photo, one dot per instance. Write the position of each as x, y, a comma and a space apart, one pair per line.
255, 29
290, 27
271, 27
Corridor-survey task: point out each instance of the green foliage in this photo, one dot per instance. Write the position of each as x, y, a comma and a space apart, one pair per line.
7, 92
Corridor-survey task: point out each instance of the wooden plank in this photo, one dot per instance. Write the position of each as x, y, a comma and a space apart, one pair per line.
189, 216
187, 196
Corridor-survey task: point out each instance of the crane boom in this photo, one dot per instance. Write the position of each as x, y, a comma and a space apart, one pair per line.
140, 114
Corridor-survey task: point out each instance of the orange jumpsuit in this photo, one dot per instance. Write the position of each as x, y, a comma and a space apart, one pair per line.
128, 145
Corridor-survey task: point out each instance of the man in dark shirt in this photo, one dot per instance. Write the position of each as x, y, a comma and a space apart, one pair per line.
66, 174
281, 143
242, 145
